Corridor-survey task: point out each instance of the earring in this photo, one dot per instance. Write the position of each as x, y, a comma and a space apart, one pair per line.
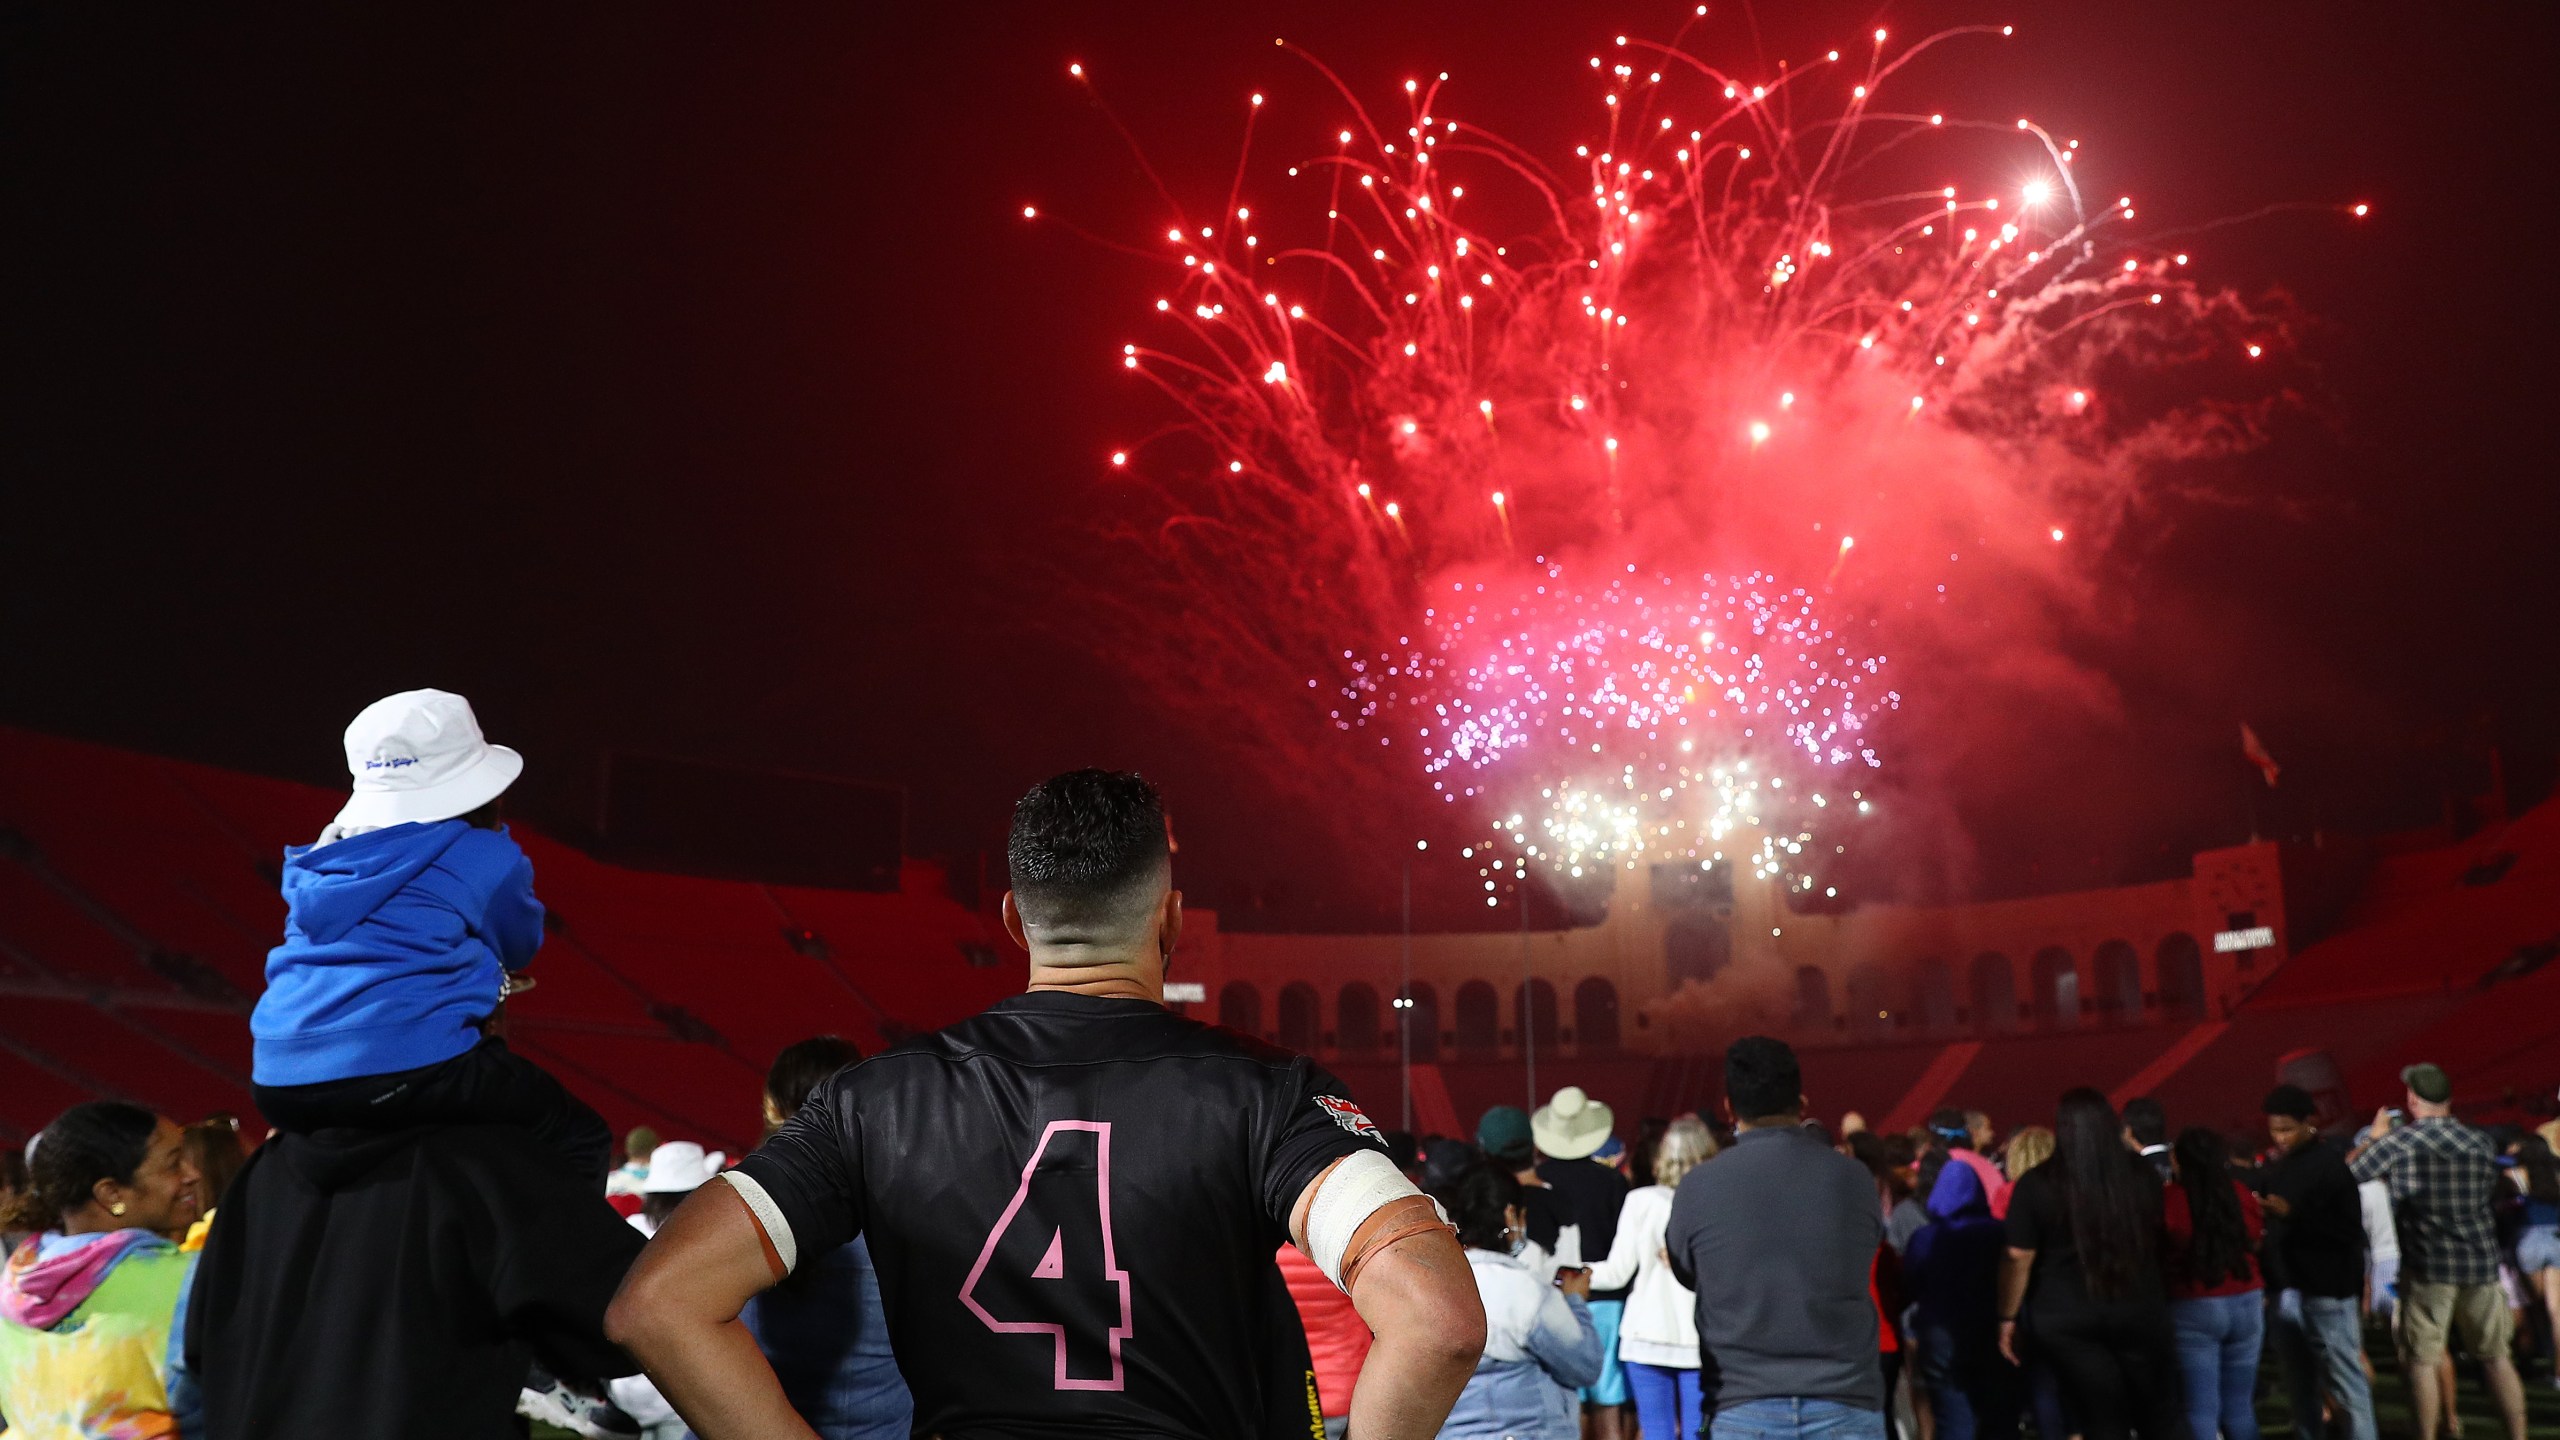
116, 1209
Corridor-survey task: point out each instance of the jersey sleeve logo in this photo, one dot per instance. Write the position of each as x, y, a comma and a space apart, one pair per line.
1349, 1117
1051, 1265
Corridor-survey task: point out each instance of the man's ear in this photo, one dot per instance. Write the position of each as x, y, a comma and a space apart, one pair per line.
1169, 925
1013, 923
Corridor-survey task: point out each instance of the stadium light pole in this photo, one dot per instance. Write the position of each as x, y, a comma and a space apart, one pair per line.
1404, 999
1528, 1000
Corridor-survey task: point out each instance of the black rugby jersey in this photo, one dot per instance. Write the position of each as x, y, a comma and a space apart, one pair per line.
1073, 1204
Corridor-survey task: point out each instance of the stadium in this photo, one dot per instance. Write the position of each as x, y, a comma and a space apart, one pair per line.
679, 987
1425, 722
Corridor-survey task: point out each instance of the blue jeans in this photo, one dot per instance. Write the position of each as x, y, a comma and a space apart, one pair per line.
1973, 1390
1666, 1400
1798, 1420
2218, 1342
2320, 1340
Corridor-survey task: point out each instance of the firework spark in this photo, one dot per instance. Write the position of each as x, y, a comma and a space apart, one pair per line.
1523, 505
1604, 693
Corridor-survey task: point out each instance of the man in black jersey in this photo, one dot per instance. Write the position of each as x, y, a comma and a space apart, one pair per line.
1072, 1199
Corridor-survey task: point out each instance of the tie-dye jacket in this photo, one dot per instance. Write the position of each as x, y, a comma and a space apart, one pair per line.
85, 1327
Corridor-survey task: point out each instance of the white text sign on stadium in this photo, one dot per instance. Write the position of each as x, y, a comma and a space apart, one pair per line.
1186, 992
2262, 937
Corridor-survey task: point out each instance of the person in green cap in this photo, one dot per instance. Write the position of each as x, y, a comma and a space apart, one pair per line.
2442, 1175
632, 1176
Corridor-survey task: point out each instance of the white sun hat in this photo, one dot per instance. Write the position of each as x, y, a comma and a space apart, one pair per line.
419, 755
679, 1166
1572, 1126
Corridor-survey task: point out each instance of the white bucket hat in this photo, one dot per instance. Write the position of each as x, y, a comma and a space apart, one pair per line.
679, 1166
1572, 1126
419, 755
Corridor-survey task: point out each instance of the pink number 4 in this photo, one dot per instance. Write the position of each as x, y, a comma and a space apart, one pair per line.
1049, 1267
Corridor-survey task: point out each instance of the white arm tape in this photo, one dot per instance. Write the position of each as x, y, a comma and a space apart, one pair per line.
1362, 1185
768, 1215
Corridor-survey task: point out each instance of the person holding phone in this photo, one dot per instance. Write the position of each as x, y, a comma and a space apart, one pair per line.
1540, 1346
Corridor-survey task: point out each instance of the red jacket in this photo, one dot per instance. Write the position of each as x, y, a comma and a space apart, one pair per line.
2179, 1221
1337, 1338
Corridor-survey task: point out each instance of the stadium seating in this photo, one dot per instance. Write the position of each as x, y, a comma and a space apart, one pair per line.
137, 902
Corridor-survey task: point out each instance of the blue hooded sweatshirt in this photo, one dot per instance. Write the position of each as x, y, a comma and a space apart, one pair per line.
1952, 1265
395, 942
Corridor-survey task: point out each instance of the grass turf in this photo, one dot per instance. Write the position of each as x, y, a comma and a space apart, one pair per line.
2392, 1417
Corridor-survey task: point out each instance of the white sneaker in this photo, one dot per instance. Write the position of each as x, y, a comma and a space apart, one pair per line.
557, 1404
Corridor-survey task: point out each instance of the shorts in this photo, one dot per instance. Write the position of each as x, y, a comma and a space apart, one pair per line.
2429, 1310
1611, 1387
2384, 1280
2538, 1249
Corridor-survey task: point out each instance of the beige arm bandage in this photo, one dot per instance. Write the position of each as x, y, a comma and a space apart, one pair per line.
1362, 1204
782, 1251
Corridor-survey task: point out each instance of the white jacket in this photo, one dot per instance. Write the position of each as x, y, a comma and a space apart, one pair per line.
1660, 1326
1540, 1347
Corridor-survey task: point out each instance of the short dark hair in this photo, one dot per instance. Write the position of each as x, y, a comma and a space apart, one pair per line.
2291, 1101
2146, 1121
803, 1067
1951, 1128
1866, 1148
1084, 849
1761, 1078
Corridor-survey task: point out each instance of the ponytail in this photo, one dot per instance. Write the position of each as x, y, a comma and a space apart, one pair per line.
101, 1140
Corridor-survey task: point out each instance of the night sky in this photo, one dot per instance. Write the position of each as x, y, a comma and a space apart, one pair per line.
685, 379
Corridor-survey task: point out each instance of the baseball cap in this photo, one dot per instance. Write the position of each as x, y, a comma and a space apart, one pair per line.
1443, 1161
419, 756
680, 1166
1503, 1134
2427, 1082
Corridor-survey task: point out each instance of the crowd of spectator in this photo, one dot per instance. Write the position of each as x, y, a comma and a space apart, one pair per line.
426, 1238
2090, 1279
